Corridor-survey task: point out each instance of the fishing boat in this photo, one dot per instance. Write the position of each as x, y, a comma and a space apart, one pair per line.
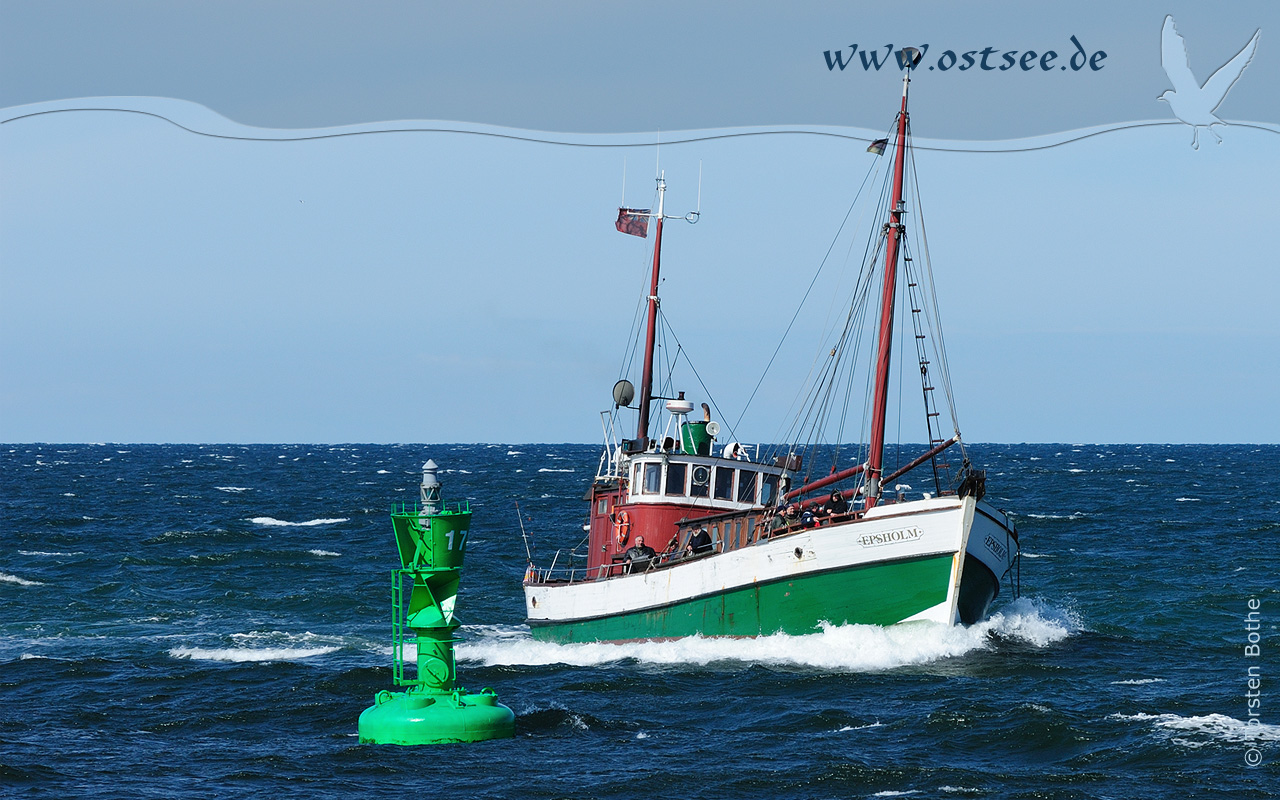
688, 535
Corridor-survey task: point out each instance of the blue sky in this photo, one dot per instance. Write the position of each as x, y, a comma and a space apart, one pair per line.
162, 286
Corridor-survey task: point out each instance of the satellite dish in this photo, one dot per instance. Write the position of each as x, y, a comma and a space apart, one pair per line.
623, 393
713, 428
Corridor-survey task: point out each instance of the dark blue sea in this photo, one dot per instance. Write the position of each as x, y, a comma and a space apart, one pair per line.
186, 621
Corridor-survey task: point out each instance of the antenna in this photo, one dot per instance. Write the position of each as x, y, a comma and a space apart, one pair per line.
624, 182
699, 211
657, 158
520, 518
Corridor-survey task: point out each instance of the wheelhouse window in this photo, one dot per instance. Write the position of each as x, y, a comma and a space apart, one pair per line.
652, 478
769, 490
602, 506
675, 479
724, 483
747, 486
701, 483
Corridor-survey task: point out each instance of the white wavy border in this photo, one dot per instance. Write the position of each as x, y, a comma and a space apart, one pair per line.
204, 121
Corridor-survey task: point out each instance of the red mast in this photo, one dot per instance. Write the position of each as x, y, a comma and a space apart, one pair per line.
875, 461
646, 378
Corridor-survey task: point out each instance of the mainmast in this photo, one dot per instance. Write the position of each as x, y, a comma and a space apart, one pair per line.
893, 231
646, 379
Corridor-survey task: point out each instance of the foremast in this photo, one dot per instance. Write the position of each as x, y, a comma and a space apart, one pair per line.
651, 331
893, 231
651, 326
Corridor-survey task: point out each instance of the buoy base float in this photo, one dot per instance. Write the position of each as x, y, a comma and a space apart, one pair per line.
411, 718
434, 709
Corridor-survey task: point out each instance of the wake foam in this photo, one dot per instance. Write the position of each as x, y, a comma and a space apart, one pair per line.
844, 648
309, 523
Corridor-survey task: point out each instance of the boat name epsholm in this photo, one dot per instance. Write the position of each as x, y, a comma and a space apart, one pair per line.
995, 547
890, 537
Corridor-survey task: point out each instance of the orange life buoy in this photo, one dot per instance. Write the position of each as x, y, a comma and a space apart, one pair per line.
622, 527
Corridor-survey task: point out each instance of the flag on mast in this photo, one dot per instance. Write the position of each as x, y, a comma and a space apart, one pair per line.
634, 221
878, 146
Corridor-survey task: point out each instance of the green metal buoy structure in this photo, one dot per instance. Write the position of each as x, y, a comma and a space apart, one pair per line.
432, 540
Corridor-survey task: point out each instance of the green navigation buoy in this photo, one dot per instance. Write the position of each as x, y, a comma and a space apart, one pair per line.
432, 541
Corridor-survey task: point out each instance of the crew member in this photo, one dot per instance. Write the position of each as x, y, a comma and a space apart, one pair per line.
699, 543
638, 556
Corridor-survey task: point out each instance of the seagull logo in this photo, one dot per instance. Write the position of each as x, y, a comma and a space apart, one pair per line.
1192, 103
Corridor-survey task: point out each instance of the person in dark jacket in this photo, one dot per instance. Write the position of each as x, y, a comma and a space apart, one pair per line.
699, 543
638, 556
836, 505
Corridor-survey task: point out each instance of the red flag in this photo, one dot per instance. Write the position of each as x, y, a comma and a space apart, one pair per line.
630, 221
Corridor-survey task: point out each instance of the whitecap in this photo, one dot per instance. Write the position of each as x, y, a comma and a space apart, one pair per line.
384, 472
515, 452
1188, 500
241, 654
856, 648
861, 727
891, 793
232, 488
44, 553
323, 553
1137, 681
7, 578
547, 469
309, 523
1219, 727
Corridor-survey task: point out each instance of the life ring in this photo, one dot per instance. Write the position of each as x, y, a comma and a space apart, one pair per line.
622, 527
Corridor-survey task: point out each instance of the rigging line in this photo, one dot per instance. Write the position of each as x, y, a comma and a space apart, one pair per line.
870, 259
935, 319
796, 315
680, 349
809, 420
805, 395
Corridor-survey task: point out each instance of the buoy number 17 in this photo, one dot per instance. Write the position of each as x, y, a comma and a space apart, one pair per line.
462, 539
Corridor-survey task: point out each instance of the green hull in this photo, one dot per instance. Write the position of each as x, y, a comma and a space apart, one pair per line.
873, 594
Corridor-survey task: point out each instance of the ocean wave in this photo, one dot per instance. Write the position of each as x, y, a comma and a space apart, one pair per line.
232, 489
323, 553
851, 648
1219, 727
242, 654
1075, 515
861, 727
44, 553
1188, 500
548, 469
7, 578
1137, 681
309, 523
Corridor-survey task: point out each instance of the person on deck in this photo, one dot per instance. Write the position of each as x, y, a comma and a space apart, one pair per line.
836, 505
638, 556
699, 543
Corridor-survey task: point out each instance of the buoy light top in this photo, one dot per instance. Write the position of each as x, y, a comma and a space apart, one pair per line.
429, 474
